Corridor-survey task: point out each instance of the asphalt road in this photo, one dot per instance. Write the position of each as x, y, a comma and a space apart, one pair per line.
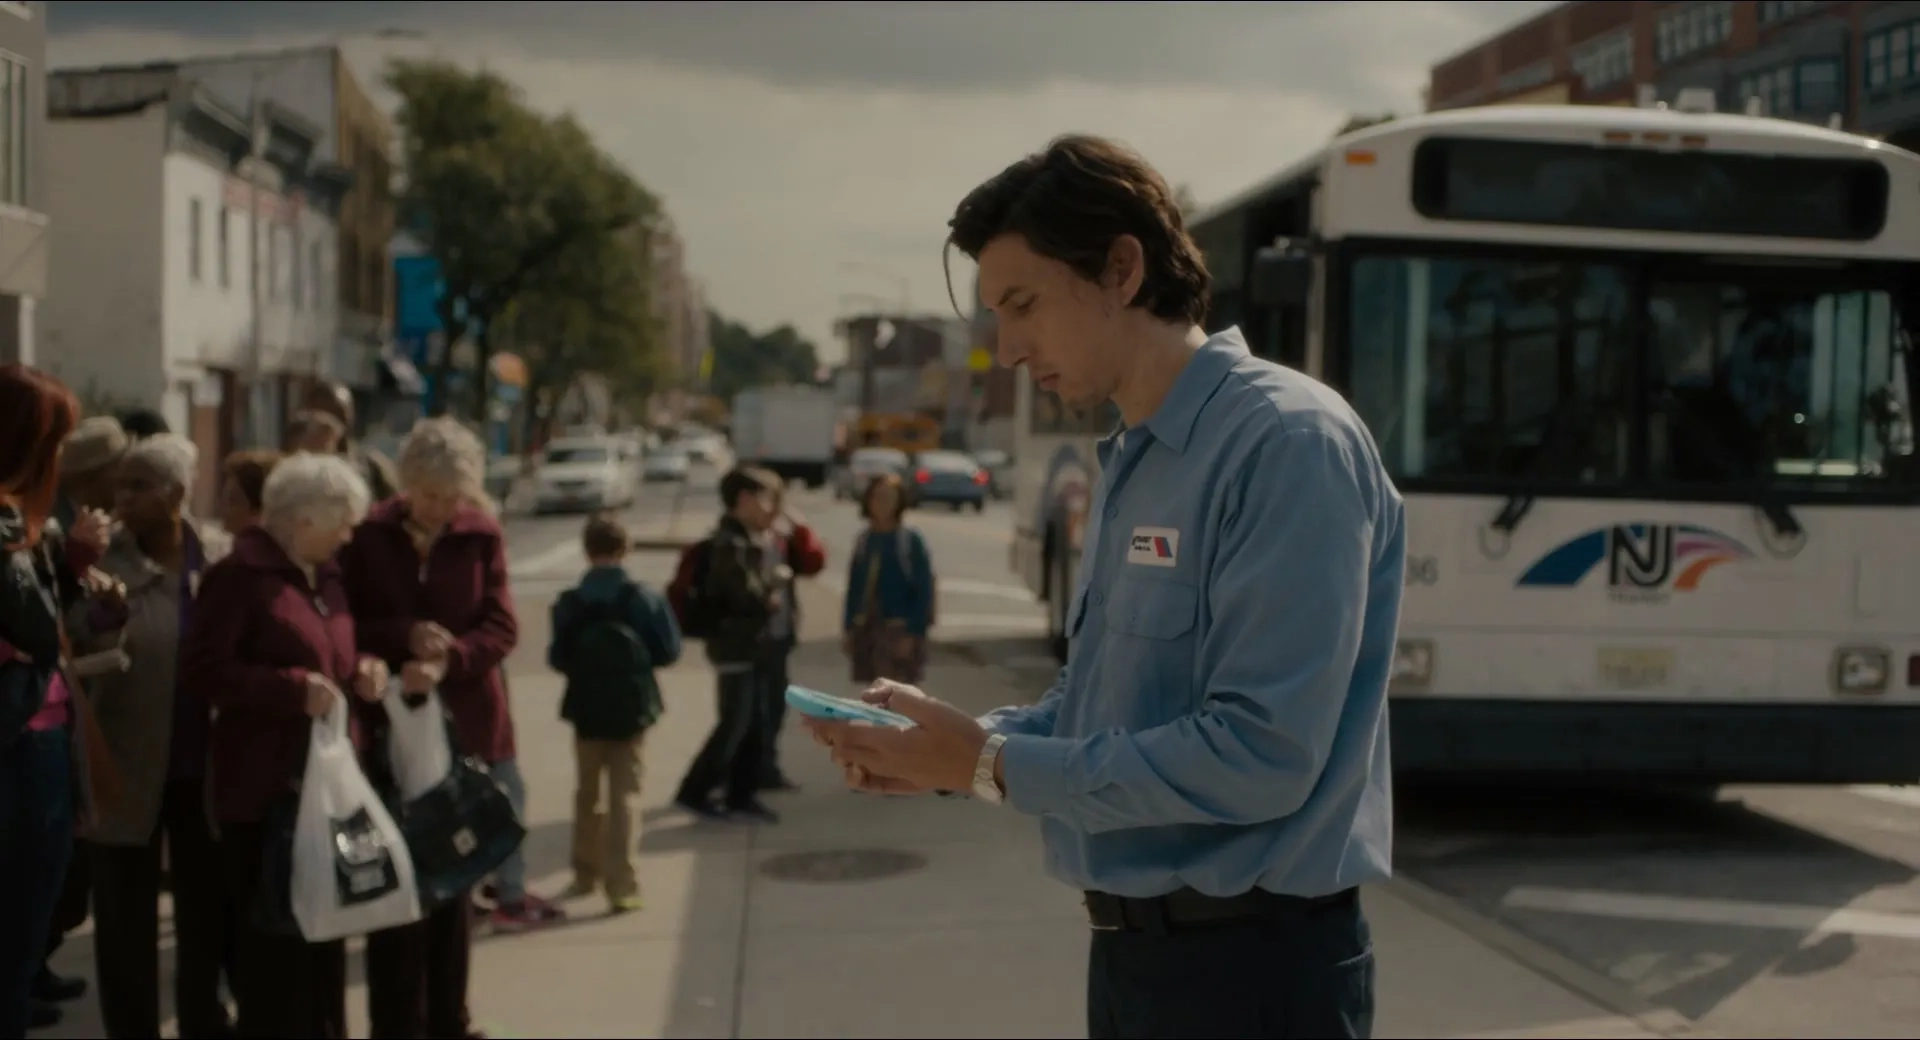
1759, 912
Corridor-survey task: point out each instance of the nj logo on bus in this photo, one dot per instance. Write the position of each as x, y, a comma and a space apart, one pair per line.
1645, 563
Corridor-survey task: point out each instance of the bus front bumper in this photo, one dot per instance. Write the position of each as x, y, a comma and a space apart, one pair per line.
1841, 743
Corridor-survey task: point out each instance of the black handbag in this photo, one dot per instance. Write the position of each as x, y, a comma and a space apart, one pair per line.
459, 832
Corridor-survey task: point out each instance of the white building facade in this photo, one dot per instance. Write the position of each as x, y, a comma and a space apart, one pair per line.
195, 259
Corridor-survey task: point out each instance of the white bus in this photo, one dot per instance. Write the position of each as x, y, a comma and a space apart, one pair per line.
1643, 376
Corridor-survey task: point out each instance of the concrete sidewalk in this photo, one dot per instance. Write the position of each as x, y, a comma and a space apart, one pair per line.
757, 932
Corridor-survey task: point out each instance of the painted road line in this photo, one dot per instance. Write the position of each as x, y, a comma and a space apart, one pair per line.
1907, 796
1820, 920
954, 586
992, 622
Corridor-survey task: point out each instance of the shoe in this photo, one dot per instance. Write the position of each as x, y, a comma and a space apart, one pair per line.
531, 913
625, 904
704, 809
778, 784
57, 989
43, 1015
752, 812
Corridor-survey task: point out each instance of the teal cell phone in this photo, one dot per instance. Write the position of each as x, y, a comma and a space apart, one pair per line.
814, 704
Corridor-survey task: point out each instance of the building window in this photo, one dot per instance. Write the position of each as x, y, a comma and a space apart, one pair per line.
1526, 77
224, 245
1687, 30
193, 240
1602, 63
1808, 88
13, 131
1893, 55
1772, 11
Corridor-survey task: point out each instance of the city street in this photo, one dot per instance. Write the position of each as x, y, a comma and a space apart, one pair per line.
1531, 914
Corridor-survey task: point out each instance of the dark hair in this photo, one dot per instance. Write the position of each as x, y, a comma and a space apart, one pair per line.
745, 480
248, 470
37, 412
605, 536
891, 480
1071, 201
141, 423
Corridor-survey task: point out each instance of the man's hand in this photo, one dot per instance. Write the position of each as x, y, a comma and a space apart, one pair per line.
937, 754
92, 528
321, 695
370, 678
428, 641
422, 676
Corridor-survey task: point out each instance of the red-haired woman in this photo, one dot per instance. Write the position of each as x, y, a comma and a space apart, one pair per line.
36, 778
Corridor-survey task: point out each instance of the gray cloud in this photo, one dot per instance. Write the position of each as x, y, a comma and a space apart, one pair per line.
1351, 51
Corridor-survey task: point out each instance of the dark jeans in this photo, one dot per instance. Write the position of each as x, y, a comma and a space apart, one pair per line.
36, 840
732, 756
126, 921
76, 898
417, 977
286, 988
774, 715
1305, 975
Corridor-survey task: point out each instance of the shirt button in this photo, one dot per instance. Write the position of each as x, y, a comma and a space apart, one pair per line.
1113, 512
1099, 598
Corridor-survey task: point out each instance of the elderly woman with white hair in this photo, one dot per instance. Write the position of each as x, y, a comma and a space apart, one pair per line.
427, 577
156, 729
271, 645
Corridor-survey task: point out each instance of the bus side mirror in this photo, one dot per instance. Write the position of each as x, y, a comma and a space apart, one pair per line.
1281, 278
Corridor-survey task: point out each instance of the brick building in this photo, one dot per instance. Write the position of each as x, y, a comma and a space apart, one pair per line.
1796, 59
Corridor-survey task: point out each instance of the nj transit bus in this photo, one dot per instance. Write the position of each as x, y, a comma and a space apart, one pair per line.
1644, 378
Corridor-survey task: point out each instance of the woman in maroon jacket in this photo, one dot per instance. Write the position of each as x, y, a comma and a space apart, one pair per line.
427, 577
271, 645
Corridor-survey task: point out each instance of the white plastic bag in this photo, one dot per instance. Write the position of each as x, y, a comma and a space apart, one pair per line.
351, 871
417, 747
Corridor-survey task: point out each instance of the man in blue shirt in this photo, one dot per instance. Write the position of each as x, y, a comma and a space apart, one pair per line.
1211, 766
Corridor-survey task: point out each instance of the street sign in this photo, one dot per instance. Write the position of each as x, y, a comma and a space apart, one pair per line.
981, 360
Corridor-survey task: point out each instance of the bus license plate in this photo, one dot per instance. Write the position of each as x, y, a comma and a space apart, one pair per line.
1634, 668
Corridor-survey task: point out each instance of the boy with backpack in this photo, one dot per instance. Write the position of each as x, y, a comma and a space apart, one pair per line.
609, 635
728, 593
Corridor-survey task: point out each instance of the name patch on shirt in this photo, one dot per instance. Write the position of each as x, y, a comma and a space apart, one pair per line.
1154, 547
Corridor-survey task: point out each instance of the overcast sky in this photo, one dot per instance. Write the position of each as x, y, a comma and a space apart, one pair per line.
810, 152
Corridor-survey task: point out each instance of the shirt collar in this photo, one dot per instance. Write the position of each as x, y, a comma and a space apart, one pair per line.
1172, 423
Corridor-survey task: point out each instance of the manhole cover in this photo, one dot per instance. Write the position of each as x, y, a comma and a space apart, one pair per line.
838, 865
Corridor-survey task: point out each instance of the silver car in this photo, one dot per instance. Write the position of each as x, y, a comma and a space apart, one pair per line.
850, 481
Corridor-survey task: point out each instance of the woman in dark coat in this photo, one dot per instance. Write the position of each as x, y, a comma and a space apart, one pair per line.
271, 644
37, 806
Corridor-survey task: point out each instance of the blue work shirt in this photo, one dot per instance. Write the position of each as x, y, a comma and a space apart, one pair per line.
1221, 723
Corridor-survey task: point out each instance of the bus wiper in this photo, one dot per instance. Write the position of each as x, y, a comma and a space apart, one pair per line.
1512, 511
1780, 515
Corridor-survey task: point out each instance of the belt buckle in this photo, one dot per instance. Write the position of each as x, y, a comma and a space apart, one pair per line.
1093, 918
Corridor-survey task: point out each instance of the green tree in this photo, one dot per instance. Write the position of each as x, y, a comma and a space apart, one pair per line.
498, 194
1362, 121
591, 311
743, 358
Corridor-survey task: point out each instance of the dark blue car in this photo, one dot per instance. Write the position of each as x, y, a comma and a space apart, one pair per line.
949, 477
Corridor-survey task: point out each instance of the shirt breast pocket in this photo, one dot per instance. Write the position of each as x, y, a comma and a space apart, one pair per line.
1151, 623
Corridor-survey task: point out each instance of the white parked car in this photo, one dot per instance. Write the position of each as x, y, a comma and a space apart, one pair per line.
583, 473
666, 463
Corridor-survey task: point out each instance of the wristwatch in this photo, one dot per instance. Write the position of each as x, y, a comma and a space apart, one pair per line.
983, 786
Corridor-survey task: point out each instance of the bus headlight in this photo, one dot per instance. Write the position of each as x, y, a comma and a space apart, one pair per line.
1860, 669
1413, 662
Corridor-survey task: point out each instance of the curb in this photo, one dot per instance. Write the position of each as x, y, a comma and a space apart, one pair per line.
1607, 993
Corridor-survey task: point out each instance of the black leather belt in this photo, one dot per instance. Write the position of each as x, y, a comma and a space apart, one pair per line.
1185, 909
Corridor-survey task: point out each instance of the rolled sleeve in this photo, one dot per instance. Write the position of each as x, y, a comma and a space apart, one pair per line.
1278, 665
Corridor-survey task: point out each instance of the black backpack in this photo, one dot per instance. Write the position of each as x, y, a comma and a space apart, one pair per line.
694, 610
611, 691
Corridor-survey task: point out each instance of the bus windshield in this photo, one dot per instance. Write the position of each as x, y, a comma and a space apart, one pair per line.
1599, 371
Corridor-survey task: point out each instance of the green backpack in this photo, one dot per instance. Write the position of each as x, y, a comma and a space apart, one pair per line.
611, 693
